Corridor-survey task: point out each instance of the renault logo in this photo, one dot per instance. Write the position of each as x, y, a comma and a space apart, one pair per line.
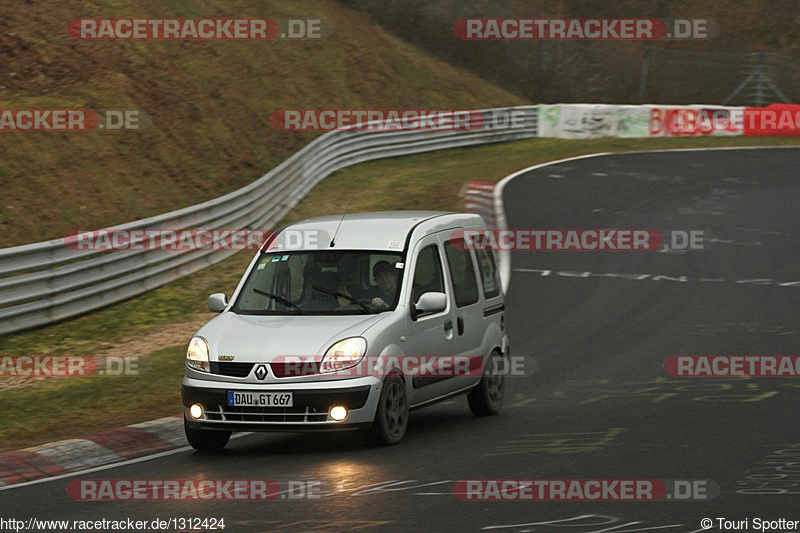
261, 372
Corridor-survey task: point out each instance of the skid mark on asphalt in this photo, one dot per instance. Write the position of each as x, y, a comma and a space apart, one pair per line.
733, 390
330, 488
590, 523
657, 390
740, 328
557, 443
520, 400
547, 273
660, 389
776, 474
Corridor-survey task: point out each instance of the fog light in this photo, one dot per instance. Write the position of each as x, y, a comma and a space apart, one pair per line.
196, 411
338, 413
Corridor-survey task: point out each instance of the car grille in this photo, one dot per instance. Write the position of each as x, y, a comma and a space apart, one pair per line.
267, 414
234, 370
306, 368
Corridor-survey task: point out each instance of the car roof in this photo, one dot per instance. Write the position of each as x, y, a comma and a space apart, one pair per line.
384, 230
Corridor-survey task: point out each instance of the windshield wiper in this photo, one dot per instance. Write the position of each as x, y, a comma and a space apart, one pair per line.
346, 297
280, 300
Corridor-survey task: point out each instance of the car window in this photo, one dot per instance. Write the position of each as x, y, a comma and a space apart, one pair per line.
374, 259
427, 273
320, 283
462, 272
489, 275
295, 265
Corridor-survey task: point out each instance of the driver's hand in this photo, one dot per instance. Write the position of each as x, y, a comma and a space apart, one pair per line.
378, 302
344, 301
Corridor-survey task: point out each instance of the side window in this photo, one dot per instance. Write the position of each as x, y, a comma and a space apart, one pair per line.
459, 261
488, 271
427, 273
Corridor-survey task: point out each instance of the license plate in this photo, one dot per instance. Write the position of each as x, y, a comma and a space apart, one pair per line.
259, 399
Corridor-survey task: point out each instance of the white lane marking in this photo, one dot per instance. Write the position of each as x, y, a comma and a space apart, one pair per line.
500, 213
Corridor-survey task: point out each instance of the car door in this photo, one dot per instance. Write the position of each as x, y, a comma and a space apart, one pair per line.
468, 307
433, 334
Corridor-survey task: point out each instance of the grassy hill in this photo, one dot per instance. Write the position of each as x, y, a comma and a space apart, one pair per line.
210, 102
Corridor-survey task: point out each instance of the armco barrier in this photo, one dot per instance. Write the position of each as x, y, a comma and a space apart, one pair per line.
45, 282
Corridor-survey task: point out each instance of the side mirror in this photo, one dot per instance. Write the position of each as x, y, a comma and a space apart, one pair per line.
217, 302
430, 303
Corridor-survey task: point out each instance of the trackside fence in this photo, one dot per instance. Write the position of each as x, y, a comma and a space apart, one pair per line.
48, 281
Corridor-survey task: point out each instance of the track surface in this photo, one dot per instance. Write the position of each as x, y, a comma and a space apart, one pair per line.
600, 404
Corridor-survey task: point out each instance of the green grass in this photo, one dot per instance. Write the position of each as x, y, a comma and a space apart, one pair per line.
69, 406
425, 181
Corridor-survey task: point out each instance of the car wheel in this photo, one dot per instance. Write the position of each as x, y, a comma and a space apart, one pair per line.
205, 440
391, 418
486, 398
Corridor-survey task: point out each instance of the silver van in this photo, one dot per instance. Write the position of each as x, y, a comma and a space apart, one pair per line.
324, 296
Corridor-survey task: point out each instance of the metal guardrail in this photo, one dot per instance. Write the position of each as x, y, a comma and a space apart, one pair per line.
47, 281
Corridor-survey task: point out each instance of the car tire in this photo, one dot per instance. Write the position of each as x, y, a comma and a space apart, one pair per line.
205, 440
486, 399
391, 417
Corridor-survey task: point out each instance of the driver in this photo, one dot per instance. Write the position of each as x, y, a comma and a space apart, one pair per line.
386, 279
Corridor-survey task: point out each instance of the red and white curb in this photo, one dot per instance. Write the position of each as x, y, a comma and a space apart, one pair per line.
108, 447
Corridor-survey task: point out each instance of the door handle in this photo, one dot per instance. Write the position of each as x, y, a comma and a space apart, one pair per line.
460, 322
448, 325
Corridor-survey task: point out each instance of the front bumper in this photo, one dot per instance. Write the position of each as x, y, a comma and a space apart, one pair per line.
311, 403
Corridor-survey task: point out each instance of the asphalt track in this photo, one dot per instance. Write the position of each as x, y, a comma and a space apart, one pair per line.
598, 326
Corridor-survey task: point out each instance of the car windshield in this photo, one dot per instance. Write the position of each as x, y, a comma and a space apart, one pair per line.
326, 282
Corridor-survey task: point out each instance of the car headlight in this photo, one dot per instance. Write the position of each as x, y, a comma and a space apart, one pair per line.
197, 355
344, 354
